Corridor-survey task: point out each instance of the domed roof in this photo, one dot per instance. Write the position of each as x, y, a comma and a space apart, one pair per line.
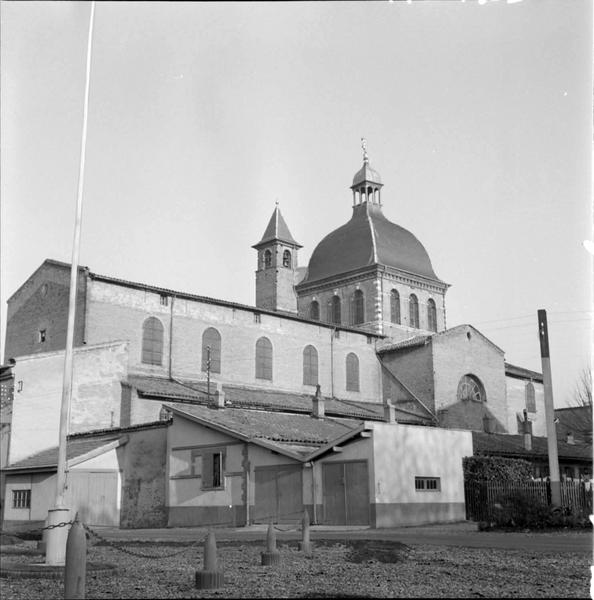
368, 239
366, 173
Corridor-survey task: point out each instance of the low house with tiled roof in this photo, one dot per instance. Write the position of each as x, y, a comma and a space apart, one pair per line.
114, 477
233, 466
575, 460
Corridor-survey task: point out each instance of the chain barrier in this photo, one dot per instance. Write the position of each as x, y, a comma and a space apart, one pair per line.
33, 531
115, 546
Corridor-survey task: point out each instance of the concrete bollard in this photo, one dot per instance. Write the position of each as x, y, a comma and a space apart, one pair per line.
271, 556
210, 577
75, 568
305, 544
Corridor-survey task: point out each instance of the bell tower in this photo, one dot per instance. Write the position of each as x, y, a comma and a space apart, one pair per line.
277, 266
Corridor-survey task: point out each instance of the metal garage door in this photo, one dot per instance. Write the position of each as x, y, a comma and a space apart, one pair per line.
345, 490
94, 494
279, 494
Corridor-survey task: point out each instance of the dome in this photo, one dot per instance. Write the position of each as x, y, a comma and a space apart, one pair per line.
366, 173
368, 239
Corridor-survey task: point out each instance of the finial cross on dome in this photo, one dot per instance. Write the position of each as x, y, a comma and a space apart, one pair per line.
364, 146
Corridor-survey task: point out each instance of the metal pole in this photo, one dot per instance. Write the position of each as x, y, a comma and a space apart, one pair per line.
208, 372
56, 551
543, 334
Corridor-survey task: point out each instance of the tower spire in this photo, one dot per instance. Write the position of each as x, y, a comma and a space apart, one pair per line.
364, 146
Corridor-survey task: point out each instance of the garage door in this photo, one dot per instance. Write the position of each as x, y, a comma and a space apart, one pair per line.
345, 490
279, 494
94, 494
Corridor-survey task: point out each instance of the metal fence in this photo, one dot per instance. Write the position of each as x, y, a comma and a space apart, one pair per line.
484, 498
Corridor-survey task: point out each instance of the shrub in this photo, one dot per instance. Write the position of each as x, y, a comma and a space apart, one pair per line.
496, 468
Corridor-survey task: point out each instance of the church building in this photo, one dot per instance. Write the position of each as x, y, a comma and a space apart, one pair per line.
361, 330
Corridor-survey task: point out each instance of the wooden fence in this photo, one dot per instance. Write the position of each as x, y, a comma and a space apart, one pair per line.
482, 497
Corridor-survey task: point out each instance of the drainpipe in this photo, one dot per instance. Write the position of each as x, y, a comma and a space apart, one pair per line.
313, 494
332, 333
171, 338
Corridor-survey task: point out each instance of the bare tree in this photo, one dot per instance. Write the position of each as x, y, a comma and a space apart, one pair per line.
577, 418
583, 389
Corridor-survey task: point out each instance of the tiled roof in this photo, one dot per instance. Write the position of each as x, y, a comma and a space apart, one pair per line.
275, 427
417, 340
277, 230
513, 445
240, 396
522, 373
74, 448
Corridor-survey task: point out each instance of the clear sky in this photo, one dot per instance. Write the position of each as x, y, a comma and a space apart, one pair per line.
478, 117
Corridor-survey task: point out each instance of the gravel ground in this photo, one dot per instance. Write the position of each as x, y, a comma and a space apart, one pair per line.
359, 569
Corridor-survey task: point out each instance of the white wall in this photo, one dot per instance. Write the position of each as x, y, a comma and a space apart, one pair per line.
96, 395
403, 452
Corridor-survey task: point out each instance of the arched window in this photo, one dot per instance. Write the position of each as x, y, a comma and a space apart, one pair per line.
264, 359
395, 307
335, 310
314, 311
431, 315
470, 388
267, 259
358, 308
413, 310
310, 366
152, 341
211, 340
352, 372
287, 259
530, 398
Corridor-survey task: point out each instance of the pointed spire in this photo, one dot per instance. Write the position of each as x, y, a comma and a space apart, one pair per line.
277, 230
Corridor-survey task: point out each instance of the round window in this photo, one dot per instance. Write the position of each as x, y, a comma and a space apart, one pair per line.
470, 388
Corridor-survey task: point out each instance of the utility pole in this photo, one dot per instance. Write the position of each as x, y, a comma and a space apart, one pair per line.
543, 334
56, 537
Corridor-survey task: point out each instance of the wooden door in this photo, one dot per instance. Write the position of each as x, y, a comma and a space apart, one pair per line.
279, 494
94, 494
345, 493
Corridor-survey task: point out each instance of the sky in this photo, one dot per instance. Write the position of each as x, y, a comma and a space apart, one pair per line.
477, 115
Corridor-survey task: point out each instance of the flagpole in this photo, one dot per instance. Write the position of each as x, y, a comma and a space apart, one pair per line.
56, 538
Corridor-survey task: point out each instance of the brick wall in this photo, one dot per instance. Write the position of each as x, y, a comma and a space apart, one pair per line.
414, 368
275, 285
118, 312
41, 303
460, 351
345, 290
405, 287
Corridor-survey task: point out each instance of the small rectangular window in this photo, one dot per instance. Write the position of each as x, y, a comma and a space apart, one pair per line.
212, 470
369, 339
256, 317
42, 335
21, 498
427, 484
164, 299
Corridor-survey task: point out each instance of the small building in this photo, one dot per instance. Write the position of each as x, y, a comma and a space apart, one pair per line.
115, 477
238, 466
575, 460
